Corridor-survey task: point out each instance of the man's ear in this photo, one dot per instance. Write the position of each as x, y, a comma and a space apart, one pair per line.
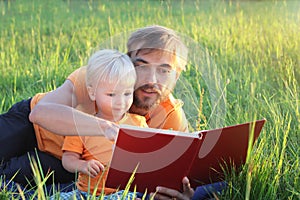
177, 75
91, 93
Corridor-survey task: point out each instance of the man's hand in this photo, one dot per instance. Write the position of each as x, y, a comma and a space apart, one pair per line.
163, 193
109, 129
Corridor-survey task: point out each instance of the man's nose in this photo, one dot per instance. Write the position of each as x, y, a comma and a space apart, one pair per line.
151, 76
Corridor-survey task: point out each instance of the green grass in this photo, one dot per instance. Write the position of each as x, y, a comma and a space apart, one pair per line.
254, 60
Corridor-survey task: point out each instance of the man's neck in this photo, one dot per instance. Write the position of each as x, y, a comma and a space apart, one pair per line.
143, 112
139, 111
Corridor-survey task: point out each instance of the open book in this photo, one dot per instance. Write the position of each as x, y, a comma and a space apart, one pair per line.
164, 157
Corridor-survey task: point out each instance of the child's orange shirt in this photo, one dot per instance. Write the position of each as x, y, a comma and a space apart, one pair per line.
97, 148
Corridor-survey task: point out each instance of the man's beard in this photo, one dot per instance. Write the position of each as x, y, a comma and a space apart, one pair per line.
146, 103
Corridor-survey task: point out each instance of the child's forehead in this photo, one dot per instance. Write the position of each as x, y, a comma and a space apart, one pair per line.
116, 85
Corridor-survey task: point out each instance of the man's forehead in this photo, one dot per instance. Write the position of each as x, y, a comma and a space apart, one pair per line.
155, 57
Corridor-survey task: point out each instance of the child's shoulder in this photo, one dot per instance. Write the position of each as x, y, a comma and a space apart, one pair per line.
134, 119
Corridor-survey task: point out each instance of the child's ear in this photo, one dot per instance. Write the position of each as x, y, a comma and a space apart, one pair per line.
91, 92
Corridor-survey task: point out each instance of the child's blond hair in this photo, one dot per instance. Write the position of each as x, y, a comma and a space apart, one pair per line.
109, 66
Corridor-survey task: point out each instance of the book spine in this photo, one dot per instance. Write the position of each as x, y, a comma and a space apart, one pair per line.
199, 144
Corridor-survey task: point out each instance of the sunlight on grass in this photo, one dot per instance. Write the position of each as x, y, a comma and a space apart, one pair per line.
244, 61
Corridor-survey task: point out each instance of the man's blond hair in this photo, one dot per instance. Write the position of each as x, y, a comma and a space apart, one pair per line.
158, 38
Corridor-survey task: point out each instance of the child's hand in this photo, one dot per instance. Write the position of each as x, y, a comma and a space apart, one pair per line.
92, 168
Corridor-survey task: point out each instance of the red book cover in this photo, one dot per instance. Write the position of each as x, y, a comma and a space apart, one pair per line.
223, 148
164, 157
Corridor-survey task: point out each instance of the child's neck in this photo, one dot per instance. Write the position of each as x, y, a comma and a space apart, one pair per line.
109, 118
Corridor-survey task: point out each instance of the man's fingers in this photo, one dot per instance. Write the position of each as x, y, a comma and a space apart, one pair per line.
112, 131
109, 134
188, 191
158, 196
186, 185
108, 129
166, 193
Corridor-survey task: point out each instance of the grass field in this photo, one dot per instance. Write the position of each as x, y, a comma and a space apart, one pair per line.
244, 65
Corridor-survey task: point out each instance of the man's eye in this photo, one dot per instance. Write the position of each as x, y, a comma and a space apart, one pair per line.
140, 66
163, 70
136, 64
111, 95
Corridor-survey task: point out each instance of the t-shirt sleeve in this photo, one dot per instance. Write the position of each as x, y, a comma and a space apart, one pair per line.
134, 120
176, 120
73, 144
78, 80
168, 114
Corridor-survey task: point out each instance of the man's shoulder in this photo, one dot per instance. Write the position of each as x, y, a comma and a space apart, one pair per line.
172, 102
169, 115
77, 73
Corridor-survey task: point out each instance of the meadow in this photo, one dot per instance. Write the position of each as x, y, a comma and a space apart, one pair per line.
244, 64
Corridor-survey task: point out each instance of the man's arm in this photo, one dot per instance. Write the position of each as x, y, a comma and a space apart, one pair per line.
56, 112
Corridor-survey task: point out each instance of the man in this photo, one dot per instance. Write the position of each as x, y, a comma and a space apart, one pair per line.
159, 57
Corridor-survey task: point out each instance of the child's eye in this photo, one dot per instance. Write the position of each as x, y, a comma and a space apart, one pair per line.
128, 93
111, 94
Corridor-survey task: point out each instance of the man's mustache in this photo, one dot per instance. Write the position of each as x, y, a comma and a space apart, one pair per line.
150, 88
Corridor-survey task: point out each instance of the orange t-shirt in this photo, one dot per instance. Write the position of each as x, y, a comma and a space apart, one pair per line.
46, 140
97, 148
168, 115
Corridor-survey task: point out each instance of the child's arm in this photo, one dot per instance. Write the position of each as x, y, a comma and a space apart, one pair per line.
73, 163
